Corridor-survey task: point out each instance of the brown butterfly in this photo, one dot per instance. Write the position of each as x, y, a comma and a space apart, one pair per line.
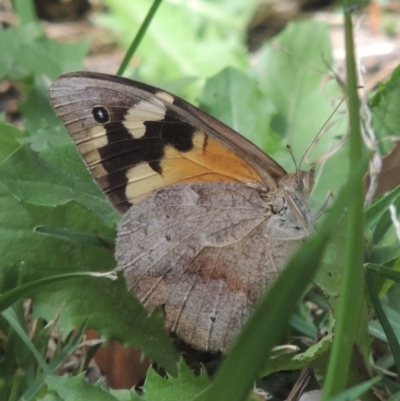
208, 218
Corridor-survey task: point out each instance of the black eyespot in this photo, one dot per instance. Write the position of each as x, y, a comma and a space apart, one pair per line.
213, 318
101, 114
168, 238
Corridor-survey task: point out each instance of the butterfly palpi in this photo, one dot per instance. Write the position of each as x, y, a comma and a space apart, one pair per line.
208, 219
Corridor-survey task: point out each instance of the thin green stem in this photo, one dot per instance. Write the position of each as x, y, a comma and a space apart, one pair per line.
139, 36
353, 284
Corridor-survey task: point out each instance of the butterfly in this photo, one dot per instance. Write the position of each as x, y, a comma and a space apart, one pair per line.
208, 219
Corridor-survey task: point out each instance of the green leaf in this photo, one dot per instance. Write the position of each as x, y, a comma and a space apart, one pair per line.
37, 112
10, 138
25, 51
293, 71
183, 388
385, 106
235, 99
54, 177
25, 11
330, 275
73, 235
76, 389
126, 395
205, 38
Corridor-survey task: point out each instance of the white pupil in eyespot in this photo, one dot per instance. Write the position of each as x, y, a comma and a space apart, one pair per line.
101, 115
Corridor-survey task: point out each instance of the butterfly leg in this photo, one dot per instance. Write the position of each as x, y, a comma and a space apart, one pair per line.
322, 209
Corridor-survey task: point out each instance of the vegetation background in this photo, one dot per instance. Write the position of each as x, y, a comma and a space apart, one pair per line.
55, 222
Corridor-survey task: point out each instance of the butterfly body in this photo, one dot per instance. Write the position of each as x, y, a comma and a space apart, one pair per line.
208, 218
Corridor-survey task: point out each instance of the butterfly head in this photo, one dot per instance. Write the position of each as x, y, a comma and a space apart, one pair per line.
303, 181
295, 190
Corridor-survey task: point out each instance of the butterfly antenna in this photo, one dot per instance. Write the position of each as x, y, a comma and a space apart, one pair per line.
320, 131
291, 154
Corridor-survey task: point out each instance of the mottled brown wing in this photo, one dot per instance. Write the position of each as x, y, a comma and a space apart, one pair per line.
204, 254
136, 139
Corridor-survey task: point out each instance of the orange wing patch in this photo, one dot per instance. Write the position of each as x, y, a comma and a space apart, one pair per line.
207, 161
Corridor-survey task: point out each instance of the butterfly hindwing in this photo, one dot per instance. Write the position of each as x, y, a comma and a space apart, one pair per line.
203, 254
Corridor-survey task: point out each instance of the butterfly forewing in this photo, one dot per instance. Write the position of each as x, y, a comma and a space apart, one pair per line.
136, 139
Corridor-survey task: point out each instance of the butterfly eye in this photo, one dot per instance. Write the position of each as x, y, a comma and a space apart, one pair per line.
101, 114
298, 183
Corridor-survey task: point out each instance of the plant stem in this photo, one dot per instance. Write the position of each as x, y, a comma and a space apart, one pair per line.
353, 284
139, 36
